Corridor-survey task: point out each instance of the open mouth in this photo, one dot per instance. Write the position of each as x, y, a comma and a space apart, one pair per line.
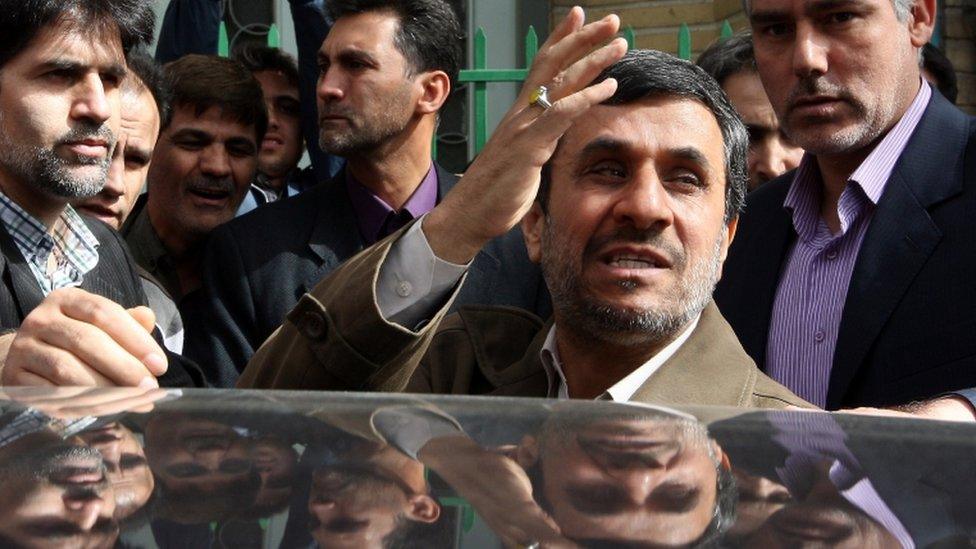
210, 194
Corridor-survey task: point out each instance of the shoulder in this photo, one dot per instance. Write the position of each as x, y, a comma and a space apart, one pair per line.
496, 334
769, 195
281, 215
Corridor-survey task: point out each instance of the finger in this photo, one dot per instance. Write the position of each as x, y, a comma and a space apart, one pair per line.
137, 402
24, 377
553, 60
582, 73
121, 327
554, 122
144, 316
97, 351
58, 394
58, 366
571, 23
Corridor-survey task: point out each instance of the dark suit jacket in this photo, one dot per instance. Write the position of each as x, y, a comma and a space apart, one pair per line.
259, 265
114, 277
908, 329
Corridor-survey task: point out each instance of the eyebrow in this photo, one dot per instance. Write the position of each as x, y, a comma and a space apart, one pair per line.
192, 133
602, 145
817, 6
63, 64
691, 154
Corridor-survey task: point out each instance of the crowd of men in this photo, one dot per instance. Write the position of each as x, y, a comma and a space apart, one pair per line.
804, 172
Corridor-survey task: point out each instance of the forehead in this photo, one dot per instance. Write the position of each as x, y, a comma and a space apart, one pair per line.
140, 116
648, 128
798, 8
212, 122
96, 48
747, 95
371, 32
273, 84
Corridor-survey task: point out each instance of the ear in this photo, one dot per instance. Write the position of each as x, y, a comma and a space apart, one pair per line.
435, 87
533, 223
921, 22
730, 229
528, 452
721, 456
423, 508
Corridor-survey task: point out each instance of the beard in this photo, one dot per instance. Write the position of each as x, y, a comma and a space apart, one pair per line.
366, 131
868, 125
602, 321
45, 170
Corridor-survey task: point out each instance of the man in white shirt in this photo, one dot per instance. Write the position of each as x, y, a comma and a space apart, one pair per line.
629, 210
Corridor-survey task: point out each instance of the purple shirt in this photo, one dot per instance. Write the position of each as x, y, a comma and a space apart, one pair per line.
812, 290
376, 219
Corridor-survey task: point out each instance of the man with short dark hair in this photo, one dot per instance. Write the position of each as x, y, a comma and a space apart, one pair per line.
200, 170
731, 62
70, 289
627, 184
937, 69
386, 69
278, 175
851, 279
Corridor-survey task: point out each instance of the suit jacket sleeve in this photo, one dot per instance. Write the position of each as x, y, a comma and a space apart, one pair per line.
337, 339
114, 257
221, 322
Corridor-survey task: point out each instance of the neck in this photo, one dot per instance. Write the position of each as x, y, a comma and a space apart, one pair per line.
38, 204
592, 366
834, 171
185, 251
394, 170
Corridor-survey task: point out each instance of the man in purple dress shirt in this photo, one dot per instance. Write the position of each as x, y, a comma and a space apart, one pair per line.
386, 69
851, 278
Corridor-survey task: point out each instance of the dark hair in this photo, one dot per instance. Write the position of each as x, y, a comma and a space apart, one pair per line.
723, 516
939, 66
429, 34
643, 74
22, 20
728, 56
256, 58
147, 73
205, 81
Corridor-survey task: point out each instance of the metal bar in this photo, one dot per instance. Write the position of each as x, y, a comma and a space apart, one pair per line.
630, 37
684, 42
274, 36
726, 31
531, 47
492, 75
223, 43
480, 91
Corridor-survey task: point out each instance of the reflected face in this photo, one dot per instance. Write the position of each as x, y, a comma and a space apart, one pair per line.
812, 524
628, 480
130, 162
759, 498
365, 96
838, 74
282, 145
127, 468
635, 233
200, 170
275, 462
354, 507
188, 452
57, 495
59, 112
771, 152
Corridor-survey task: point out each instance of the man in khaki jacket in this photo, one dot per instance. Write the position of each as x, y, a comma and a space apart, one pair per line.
630, 210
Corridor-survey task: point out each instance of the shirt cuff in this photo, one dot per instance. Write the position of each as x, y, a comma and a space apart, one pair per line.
968, 394
409, 429
414, 283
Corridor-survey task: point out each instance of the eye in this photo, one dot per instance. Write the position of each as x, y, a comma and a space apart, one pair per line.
241, 150
775, 30
608, 169
685, 179
840, 18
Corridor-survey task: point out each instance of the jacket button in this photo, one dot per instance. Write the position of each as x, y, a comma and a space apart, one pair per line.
313, 325
404, 289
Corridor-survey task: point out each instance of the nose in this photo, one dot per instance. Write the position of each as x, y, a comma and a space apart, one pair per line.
215, 161
115, 181
809, 52
272, 115
84, 508
643, 202
329, 87
92, 100
210, 457
772, 158
637, 483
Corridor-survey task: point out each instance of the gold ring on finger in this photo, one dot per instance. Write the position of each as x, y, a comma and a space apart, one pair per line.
540, 97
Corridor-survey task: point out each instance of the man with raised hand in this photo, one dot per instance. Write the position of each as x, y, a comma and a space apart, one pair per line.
627, 174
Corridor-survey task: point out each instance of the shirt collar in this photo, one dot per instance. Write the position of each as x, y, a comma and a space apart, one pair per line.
871, 176
70, 234
372, 211
623, 390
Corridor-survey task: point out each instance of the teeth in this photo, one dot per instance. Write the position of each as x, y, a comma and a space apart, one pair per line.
633, 263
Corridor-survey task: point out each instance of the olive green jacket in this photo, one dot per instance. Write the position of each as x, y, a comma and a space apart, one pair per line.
336, 339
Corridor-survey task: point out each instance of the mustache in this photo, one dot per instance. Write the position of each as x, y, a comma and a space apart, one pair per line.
631, 235
85, 131
211, 184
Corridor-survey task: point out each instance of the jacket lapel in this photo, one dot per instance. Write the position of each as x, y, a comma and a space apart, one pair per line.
901, 237
710, 368
26, 292
335, 234
525, 377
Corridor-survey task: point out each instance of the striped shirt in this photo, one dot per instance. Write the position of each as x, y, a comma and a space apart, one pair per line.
813, 287
59, 259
